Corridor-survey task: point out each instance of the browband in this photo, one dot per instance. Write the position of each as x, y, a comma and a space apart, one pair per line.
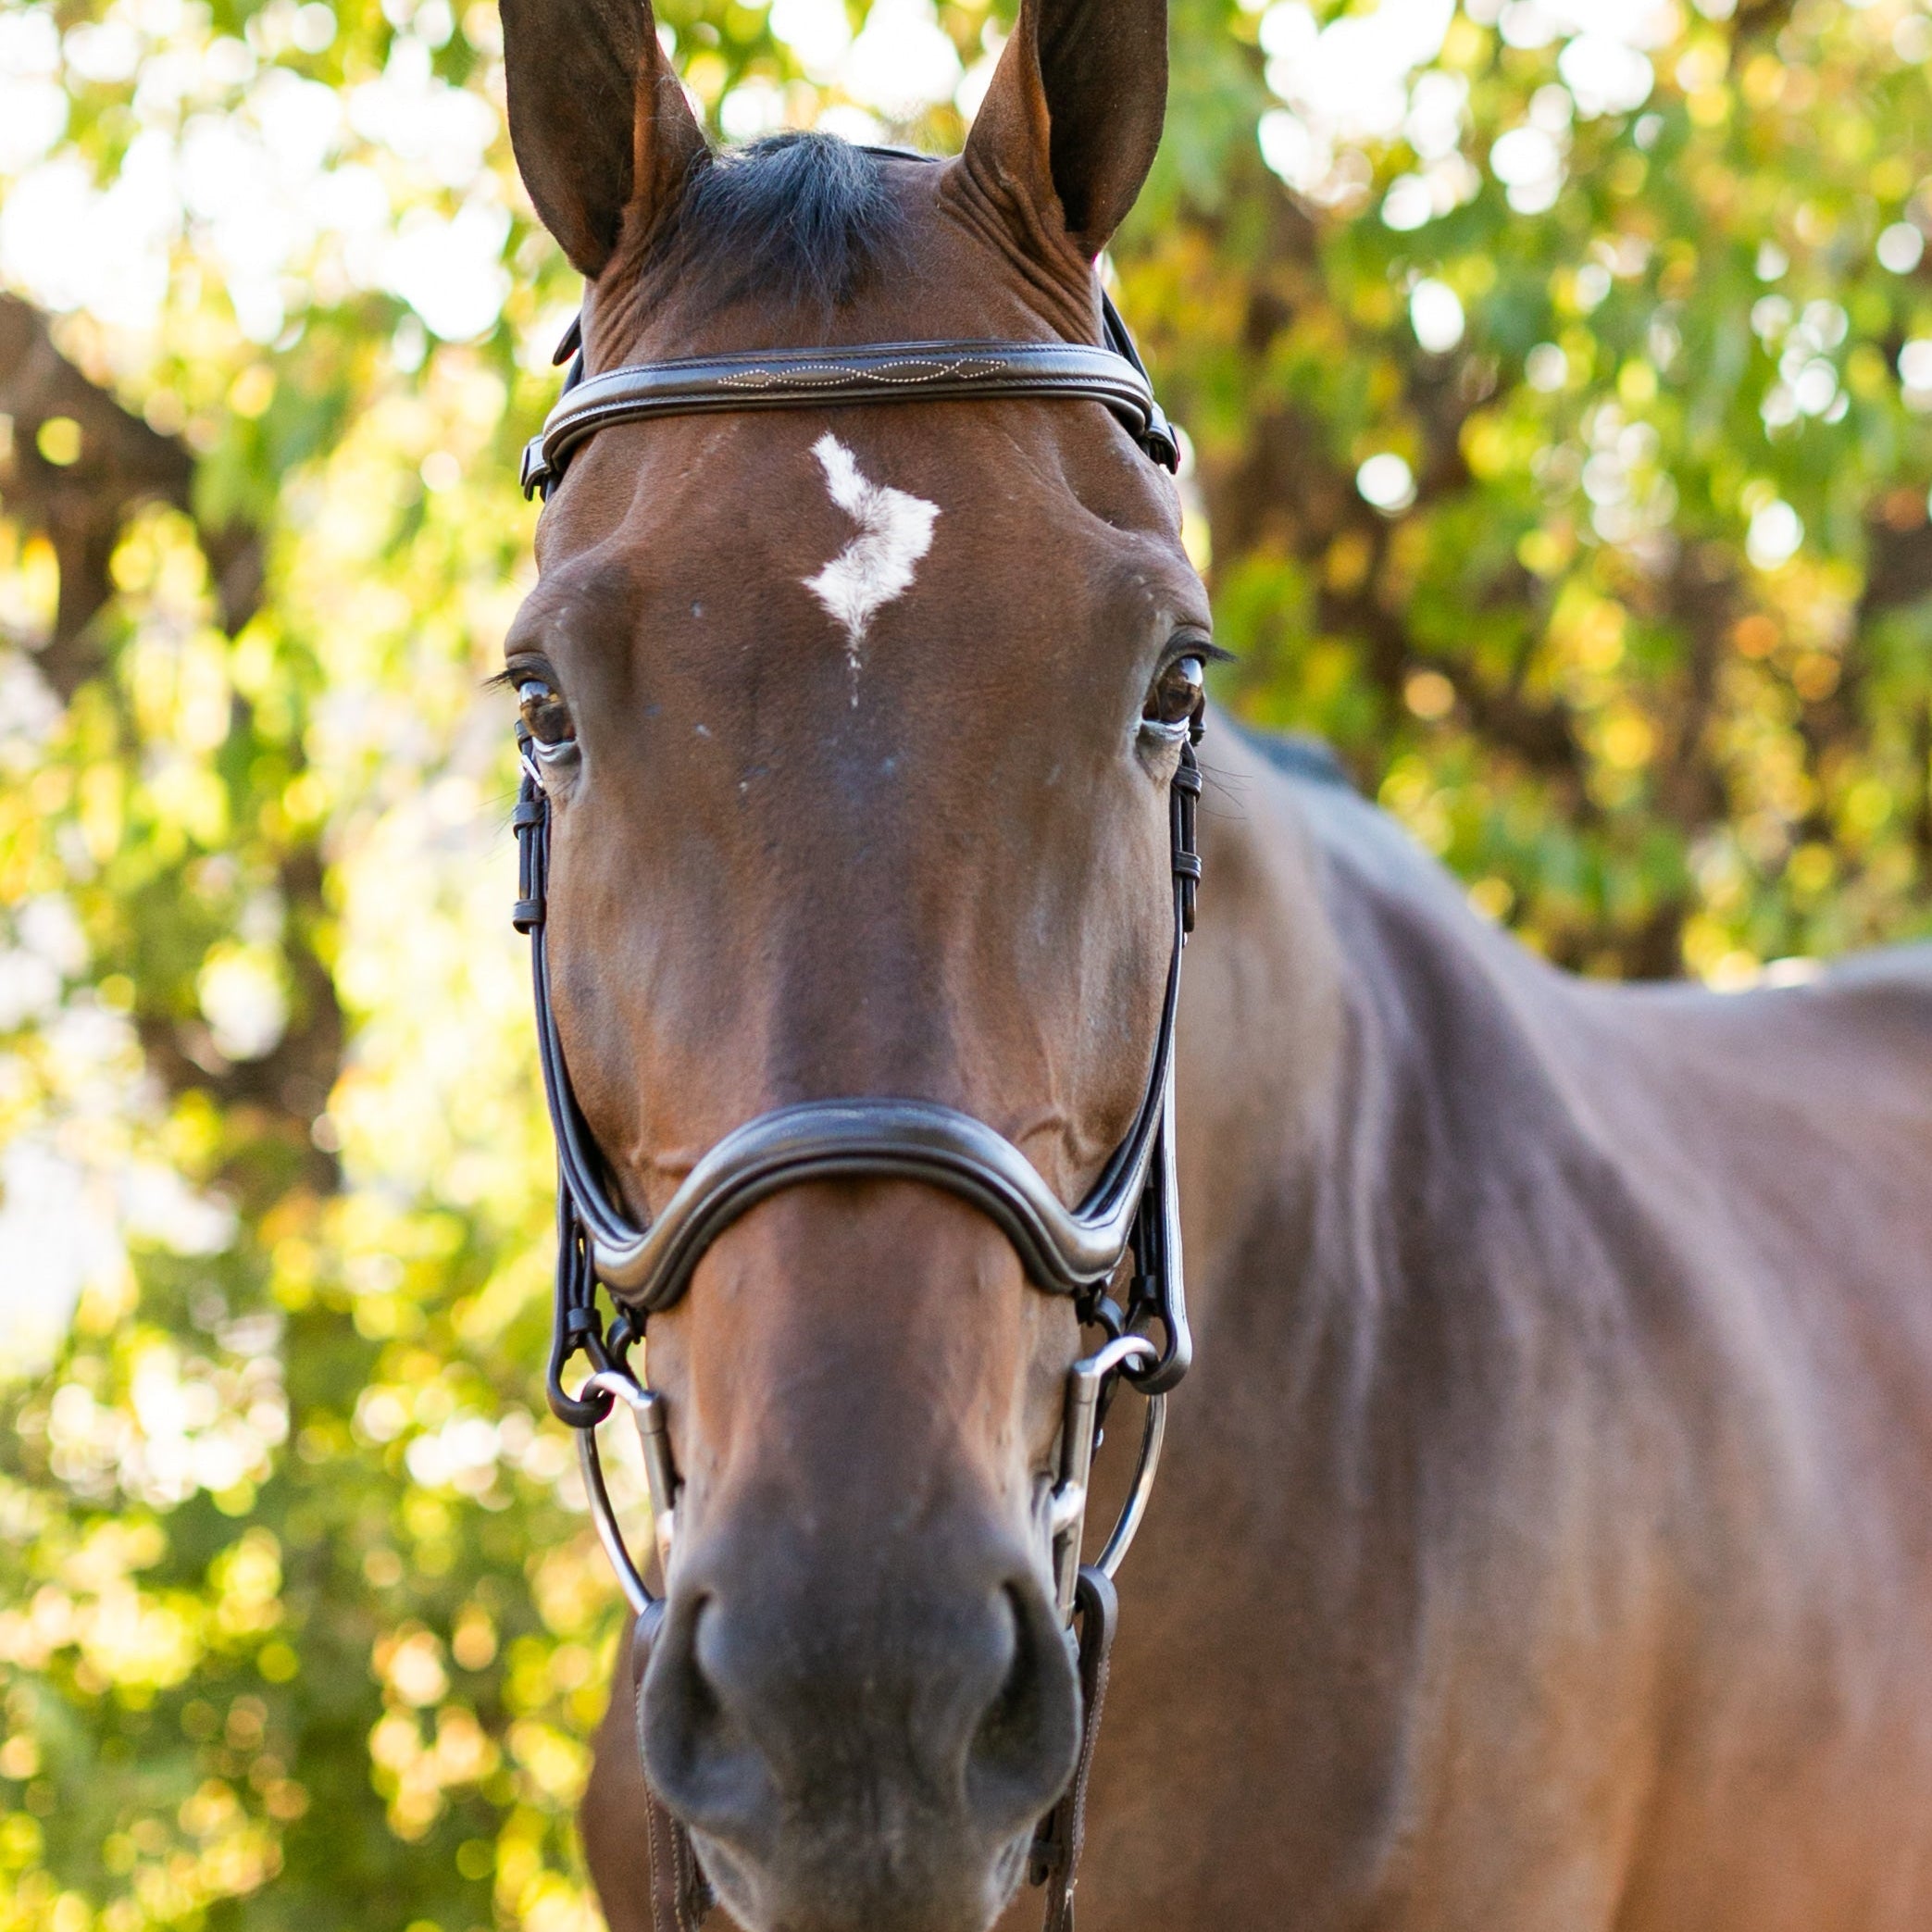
870, 372
866, 372
877, 372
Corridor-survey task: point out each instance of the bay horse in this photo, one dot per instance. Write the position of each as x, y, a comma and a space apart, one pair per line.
1543, 1542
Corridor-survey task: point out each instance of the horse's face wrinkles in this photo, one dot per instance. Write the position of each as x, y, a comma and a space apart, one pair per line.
859, 805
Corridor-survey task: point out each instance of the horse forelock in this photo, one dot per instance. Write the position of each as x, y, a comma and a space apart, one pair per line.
801, 220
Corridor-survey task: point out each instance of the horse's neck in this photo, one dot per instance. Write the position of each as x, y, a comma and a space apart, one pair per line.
1403, 1232
1387, 1135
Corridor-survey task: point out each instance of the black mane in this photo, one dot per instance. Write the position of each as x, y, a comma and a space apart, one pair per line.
802, 219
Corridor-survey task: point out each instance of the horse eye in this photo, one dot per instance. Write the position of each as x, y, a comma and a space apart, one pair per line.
544, 712
1176, 695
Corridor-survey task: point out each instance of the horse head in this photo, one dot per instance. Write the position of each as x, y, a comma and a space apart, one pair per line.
857, 731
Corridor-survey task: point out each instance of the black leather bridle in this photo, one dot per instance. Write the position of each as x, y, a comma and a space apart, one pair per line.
870, 372
1132, 1211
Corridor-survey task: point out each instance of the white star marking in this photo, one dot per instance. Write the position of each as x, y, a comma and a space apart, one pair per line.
895, 532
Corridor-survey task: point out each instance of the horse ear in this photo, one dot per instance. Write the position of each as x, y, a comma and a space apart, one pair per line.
1073, 117
597, 118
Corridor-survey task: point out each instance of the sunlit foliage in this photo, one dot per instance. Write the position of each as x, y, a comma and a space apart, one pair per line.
1559, 378
1565, 442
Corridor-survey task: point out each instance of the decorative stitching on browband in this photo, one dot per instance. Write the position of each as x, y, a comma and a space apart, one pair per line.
878, 372
828, 374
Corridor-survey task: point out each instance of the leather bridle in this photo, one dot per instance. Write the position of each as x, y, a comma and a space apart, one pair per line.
1132, 1210
869, 372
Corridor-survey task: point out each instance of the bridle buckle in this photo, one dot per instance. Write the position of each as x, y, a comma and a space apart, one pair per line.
533, 471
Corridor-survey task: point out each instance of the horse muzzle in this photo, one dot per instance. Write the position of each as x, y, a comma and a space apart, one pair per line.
857, 1746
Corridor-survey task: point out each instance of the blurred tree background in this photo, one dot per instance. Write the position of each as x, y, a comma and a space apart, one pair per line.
1559, 375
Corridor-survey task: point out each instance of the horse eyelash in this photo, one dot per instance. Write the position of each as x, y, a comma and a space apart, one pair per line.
512, 676
1202, 648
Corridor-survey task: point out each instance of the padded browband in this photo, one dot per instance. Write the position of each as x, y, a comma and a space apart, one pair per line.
876, 372
873, 1140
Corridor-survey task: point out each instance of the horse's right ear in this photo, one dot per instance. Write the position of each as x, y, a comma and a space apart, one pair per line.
597, 117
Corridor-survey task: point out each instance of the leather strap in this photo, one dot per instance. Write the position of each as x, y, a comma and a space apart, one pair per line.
872, 372
681, 1896
1063, 1251
1057, 1849
1134, 1204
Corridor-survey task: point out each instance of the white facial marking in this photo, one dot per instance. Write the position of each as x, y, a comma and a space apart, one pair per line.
895, 532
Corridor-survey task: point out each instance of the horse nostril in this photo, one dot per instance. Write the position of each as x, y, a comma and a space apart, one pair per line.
1023, 1752
781, 1734
1009, 1719
696, 1755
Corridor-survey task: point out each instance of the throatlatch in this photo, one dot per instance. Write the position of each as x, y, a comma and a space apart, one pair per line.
1117, 1255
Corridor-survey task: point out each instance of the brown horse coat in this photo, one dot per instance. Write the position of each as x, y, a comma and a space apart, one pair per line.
1545, 1538
1543, 1541
1542, 1545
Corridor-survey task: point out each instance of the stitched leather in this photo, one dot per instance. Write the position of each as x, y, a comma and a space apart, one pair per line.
874, 372
681, 1896
1063, 1251
1057, 1848
1133, 1206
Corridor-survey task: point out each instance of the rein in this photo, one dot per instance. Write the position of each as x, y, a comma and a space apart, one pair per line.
1131, 1216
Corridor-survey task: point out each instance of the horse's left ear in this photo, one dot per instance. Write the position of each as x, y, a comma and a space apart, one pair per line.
597, 118
1073, 117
